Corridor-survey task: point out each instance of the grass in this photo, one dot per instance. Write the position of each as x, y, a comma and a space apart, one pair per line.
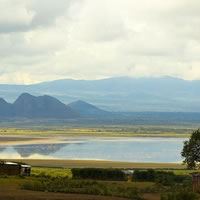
105, 131
52, 172
63, 172
97, 164
60, 180
57, 182
82, 187
185, 172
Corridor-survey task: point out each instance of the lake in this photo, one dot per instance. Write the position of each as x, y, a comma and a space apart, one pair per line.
119, 149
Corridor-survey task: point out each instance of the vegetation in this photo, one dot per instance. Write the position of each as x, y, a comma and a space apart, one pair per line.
101, 131
165, 178
81, 186
99, 174
169, 184
51, 172
191, 150
181, 195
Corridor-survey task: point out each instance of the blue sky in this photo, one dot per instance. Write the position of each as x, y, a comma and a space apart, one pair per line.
92, 39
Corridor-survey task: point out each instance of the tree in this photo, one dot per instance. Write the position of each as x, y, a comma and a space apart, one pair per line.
191, 150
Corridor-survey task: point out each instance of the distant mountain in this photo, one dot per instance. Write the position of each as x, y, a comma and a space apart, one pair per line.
165, 94
5, 109
29, 109
28, 106
87, 110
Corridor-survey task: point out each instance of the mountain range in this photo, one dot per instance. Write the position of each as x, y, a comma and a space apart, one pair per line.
43, 107
29, 109
124, 94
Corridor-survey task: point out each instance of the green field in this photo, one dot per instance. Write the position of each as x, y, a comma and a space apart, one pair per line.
66, 172
45, 180
104, 131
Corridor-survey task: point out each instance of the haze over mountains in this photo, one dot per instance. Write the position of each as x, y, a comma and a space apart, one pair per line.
118, 94
44, 107
87, 110
28, 106
29, 109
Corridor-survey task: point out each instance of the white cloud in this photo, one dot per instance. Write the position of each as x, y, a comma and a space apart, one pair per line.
14, 15
43, 40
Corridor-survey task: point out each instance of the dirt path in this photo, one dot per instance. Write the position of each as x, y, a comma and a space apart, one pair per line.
13, 193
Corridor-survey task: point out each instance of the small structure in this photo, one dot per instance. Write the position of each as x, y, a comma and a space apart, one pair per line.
129, 174
196, 182
12, 169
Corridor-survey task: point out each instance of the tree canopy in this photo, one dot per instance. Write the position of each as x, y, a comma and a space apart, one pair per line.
191, 150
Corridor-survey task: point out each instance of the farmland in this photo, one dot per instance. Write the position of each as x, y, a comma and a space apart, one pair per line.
62, 185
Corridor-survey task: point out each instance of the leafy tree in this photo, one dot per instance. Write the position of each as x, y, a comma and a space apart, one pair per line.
191, 150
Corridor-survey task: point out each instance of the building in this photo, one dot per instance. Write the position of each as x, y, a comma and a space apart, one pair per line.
13, 169
129, 173
196, 182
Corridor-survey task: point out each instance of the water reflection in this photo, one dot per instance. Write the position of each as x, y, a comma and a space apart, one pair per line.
129, 149
2, 149
41, 149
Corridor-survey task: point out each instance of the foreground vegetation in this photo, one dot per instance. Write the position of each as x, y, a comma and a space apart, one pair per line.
144, 184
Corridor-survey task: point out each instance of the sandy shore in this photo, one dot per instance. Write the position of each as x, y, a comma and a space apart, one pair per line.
22, 140
26, 140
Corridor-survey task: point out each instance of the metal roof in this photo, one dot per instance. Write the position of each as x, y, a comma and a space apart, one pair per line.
10, 163
14, 163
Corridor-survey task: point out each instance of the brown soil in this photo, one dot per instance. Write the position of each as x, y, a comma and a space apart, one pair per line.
13, 193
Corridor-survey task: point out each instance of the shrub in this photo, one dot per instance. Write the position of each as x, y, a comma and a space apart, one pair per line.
163, 177
36, 186
81, 187
144, 175
99, 174
181, 195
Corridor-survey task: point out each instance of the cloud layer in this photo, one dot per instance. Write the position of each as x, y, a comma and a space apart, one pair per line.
89, 39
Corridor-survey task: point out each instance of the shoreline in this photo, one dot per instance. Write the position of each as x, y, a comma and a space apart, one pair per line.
58, 163
77, 163
9, 140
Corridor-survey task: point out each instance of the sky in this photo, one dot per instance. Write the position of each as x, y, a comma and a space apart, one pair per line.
44, 40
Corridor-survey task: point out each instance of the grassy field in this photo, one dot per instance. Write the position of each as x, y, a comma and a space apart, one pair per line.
13, 187
98, 164
104, 131
66, 172
53, 172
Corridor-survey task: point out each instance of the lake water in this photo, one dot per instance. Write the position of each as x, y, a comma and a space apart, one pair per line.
124, 149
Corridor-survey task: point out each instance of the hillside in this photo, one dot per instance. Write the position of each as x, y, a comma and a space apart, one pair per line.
164, 94
5, 109
28, 106
87, 110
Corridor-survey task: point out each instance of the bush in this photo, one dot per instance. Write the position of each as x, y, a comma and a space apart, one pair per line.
144, 175
99, 174
181, 195
163, 177
36, 186
3, 176
81, 187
